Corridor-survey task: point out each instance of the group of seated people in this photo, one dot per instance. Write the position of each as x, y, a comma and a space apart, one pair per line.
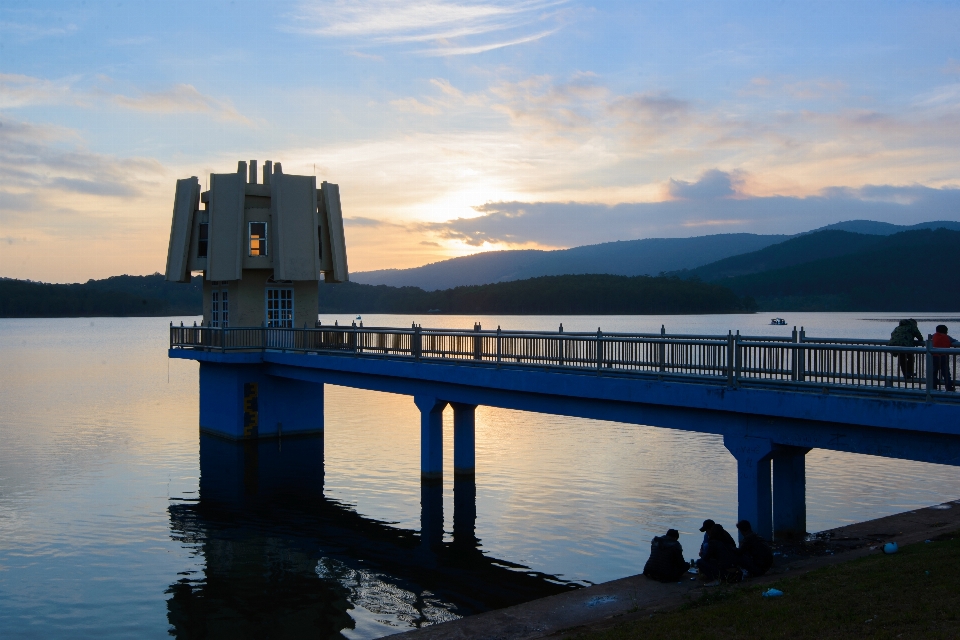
720, 558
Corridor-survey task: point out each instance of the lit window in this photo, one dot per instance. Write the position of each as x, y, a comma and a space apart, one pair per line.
258, 238
202, 241
224, 309
280, 308
215, 309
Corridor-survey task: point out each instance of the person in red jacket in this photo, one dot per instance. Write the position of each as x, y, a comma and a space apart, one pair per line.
941, 363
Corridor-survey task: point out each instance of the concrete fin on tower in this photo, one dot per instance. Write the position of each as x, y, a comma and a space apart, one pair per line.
293, 206
226, 225
186, 202
333, 245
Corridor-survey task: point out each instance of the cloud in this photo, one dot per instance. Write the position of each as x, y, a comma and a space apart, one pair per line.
450, 28
44, 170
567, 224
26, 32
712, 184
17, 91
180, 98
94, 187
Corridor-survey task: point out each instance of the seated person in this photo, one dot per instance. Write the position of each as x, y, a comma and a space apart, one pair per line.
666, 563
755, 556
719, 559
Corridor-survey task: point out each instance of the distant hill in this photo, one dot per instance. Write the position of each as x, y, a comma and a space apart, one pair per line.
549, 295
915, 270
885, 228
801, 249
115, 296
626, 258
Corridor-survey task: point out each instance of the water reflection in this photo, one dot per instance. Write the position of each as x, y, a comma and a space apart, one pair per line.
283, 560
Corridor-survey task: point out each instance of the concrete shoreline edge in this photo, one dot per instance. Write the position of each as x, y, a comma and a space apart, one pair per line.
611, 603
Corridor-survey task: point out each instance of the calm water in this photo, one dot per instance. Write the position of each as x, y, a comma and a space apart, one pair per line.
108, 529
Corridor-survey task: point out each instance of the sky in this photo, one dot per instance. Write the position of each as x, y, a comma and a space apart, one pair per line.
459, 127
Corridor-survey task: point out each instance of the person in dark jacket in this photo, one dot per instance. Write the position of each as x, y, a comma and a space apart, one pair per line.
666, 563
755, 556
720, 560
907, 334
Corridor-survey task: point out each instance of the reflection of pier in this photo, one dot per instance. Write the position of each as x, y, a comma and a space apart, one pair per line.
772, 399
283, 560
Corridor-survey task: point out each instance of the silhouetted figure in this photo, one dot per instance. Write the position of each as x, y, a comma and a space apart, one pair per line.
755, 556
666, 563
941, 363
906, 335
720, 561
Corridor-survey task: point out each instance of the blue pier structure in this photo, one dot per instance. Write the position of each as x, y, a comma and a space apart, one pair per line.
263, 243
772, 399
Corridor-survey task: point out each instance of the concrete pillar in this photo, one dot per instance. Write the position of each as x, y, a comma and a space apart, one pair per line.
233, 474
431, 436
464, 511
431, 512
464, 438
241, 402
753, 481
789, 492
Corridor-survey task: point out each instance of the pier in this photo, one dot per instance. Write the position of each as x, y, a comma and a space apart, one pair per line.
772, 399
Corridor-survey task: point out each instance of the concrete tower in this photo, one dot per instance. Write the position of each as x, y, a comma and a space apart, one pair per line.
261, 247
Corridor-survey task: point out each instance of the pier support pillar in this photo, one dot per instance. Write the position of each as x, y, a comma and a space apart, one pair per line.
431, 436
464, 438
241, 402
464, 511
753, 481
431, 512
789, 492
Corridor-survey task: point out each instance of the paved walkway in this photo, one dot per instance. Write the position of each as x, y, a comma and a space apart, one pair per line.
604, 605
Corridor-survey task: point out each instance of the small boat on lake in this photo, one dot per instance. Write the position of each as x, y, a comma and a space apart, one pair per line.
778, 321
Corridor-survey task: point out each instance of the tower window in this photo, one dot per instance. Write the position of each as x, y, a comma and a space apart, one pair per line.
219, 307
202, 240
280, 308
258, 238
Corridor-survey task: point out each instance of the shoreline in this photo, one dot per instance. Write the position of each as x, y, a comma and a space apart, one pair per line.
602, 606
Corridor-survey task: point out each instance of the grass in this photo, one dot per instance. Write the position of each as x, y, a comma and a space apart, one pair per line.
912, 594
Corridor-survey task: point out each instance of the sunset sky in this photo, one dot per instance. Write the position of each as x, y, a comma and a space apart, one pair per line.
460, 127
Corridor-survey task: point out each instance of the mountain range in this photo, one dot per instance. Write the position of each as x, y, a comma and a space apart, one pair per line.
650, 256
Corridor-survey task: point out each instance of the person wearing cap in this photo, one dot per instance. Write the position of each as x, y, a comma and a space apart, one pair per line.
719, 560
708, 525
755, 556
666, 563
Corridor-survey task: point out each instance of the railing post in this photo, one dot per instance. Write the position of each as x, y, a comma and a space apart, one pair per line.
499, 352
223, 339
560, 345
417, 346
171, 334
662, 351
477, 343
801, 357
599, 350
738, 357
931, 374
730, 357
794, 369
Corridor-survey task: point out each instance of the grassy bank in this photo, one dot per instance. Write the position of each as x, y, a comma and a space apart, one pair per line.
912, 594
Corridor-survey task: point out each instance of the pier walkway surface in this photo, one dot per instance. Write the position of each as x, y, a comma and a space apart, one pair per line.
603, 606
771, 398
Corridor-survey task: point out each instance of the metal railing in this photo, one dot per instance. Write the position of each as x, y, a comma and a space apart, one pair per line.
801, 362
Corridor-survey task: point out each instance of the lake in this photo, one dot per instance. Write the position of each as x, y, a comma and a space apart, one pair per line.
108, 530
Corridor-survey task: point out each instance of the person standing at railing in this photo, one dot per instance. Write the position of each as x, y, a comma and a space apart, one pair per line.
941, 362
906, 335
